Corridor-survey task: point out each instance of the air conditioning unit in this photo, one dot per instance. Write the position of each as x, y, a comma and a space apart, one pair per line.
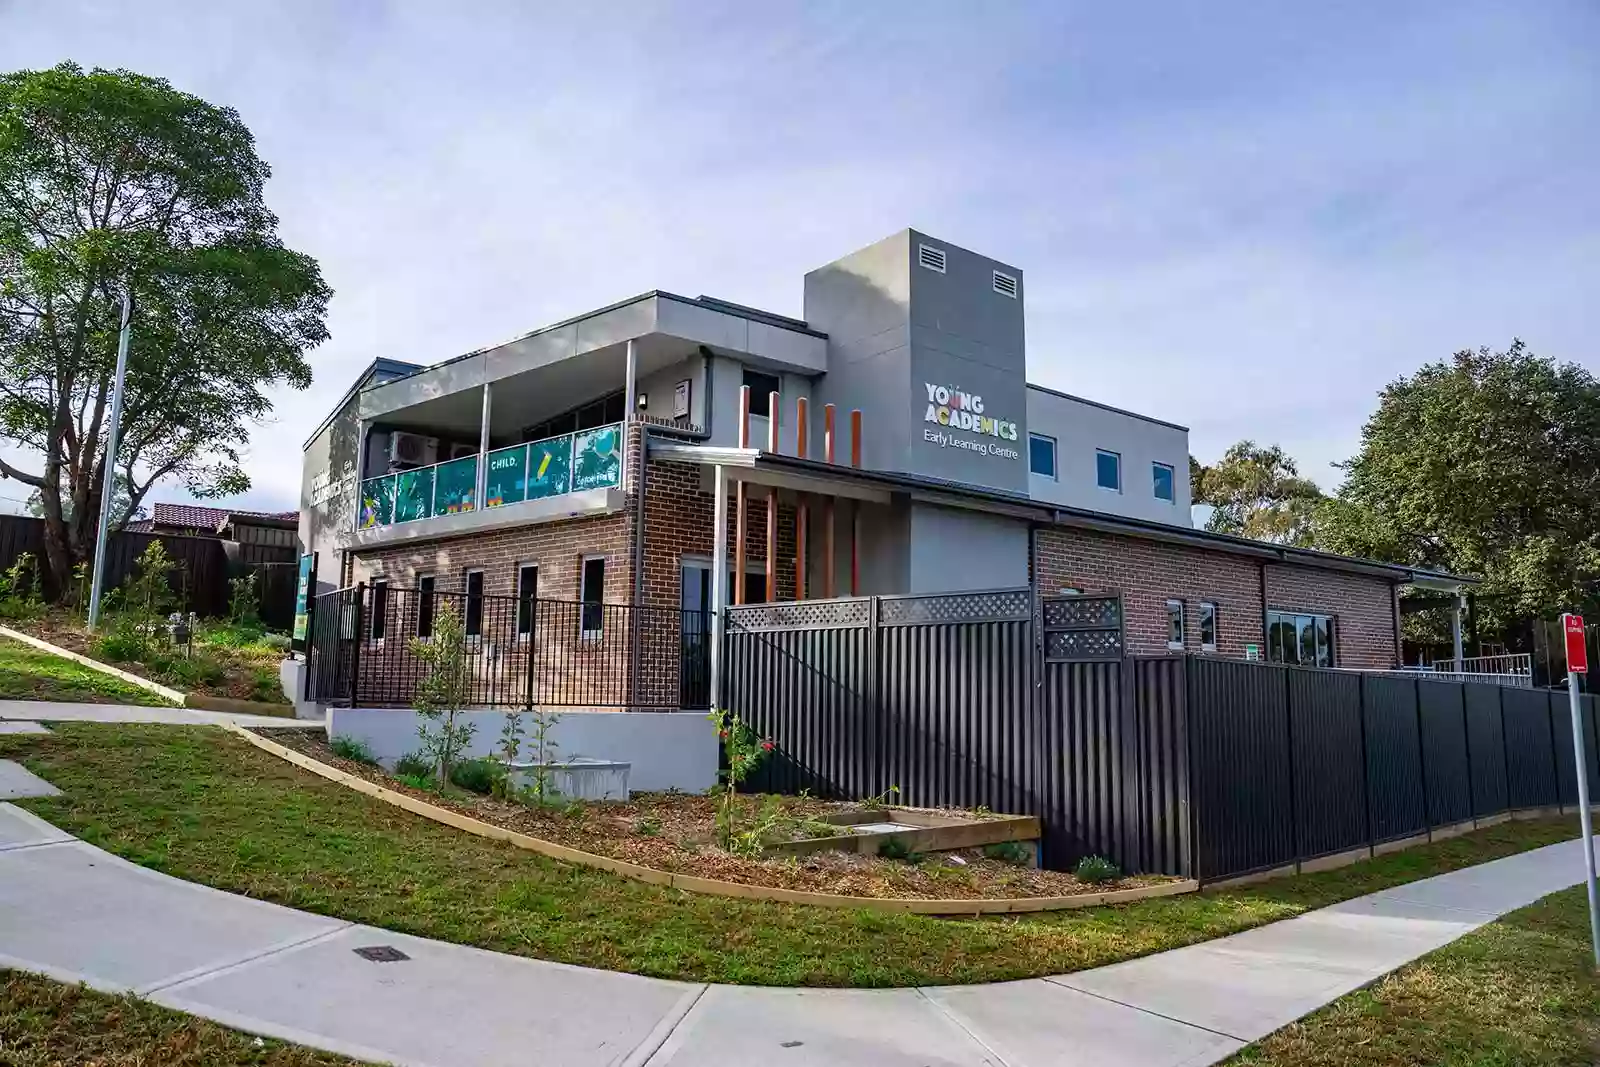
413, 449
458, 450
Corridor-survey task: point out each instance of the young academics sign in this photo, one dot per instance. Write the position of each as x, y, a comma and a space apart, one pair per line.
951, 409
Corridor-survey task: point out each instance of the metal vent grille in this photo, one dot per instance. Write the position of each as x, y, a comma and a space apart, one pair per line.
931, 257
1005, 285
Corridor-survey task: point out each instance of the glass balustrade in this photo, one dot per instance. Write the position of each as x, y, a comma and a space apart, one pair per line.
588, 459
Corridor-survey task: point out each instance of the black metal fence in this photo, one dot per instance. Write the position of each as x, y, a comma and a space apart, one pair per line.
518, 652
1184, 765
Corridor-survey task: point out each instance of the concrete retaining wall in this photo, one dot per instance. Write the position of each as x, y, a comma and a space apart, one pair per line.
668, 750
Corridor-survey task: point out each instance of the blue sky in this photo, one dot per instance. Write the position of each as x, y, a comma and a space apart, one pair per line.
1243, 217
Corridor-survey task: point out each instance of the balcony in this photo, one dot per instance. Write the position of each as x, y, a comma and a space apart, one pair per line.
575, 473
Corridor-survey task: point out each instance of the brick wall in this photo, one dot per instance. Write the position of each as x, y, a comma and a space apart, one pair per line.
1362, 608
1149, 573
678, 523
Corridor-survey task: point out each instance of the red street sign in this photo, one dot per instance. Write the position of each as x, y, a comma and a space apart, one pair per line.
1577, 648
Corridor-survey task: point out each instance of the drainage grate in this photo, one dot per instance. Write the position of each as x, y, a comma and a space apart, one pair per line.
381, 954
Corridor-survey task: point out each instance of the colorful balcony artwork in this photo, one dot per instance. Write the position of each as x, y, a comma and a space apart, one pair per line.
589, 459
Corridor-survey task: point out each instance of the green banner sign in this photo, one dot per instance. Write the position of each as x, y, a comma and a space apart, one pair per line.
507, 482
413, 494
549, 471
455, 486
302, 600
597, 458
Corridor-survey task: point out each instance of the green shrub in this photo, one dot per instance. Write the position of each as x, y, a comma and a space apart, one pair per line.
266, 687
276, 642
898, 848
418, 781
121, 645
413, 765
352, 748
1014, 852
645, 826
476, 775
1097, 870
187, 670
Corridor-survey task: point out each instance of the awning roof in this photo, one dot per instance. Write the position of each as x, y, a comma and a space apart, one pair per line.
809, 475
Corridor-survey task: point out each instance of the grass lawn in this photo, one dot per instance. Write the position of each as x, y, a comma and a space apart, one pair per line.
45, 1024
28, 674
1519, 991
200, 804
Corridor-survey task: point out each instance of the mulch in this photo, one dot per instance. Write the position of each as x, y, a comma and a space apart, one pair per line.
676, 832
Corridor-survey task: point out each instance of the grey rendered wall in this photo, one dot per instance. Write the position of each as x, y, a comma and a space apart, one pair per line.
953, 550
658, 389
966, 336
1080, 429
329, 484
863, 303
895, 328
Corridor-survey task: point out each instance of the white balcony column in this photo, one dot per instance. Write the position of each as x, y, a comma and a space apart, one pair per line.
630, 397
482, 485
719, 575
1455, 628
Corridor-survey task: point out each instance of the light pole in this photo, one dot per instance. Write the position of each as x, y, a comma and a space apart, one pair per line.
108, 485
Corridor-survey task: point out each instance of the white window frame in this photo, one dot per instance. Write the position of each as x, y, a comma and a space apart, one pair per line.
1055, 456
1208, 608
380, 580
583, 601
473, 639
1156, 465
1114, 455
1182, 635
533, 565
429, 599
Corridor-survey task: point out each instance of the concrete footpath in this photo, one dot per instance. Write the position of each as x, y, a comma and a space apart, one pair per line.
77, 913
53, 711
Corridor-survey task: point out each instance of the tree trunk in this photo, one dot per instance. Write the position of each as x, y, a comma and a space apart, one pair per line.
58, 554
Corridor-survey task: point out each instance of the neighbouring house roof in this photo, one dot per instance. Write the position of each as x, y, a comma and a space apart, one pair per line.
211, 520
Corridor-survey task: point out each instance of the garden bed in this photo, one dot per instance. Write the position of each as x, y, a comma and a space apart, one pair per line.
676, 832
238, 662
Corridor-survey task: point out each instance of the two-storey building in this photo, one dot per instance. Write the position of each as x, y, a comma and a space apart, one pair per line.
666, 451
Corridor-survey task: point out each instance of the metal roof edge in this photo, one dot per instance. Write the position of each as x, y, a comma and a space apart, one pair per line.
1107, 407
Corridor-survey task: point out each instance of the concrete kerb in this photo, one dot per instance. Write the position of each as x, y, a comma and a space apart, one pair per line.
158, 689
707, 886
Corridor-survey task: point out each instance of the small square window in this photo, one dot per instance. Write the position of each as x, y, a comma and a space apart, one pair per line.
1042, 455
592, 593
1208, 626
762, 386
1108, 470
1162, 476
1175, 624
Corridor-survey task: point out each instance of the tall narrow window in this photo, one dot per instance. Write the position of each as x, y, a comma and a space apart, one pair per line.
592, 593
762, 386
380, 608
1174, 624
1161, 477
425, 605
1208, 626
474, 620
1108, 470
527, 598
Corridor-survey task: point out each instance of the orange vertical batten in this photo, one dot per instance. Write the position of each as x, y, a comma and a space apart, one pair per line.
828, 555
855, 510
739, 502
802, 511
772, 502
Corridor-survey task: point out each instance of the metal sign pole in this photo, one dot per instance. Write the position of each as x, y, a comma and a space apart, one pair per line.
1583, 813
108, 485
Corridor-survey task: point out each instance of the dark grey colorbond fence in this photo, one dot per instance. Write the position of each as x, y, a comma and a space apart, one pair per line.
1183, 765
